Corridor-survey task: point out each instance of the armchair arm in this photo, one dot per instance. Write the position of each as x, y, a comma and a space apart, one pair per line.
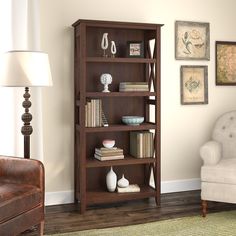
24, 171
211, 153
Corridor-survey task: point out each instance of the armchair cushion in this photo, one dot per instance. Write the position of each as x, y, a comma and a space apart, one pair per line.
16, 199
224, 172
211, 153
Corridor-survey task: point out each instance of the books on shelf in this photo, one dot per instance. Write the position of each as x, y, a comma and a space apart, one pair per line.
106, 154
141, 144
133, 87
93, 113
132, 188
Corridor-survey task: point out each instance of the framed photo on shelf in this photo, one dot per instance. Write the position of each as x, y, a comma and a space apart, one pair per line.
135, 49
225, 63
192, 40
194, 85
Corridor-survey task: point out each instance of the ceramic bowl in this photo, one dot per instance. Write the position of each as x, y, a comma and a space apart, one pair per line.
108, 143
133, 120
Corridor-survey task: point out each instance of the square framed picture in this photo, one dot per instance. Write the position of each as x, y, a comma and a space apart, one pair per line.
225, 63
192, 40
194, 85
135, 49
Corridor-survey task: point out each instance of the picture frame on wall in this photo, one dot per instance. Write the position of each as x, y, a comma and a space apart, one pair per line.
225, 63
135, 49
194, 85
192, 40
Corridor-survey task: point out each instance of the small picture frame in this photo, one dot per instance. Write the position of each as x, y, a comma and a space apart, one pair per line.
192, 40
225, 63
194, 85
135, 49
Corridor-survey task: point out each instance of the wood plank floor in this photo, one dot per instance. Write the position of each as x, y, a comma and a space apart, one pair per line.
66, 218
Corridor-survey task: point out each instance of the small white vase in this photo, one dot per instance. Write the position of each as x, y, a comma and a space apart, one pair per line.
123, 182
111, 180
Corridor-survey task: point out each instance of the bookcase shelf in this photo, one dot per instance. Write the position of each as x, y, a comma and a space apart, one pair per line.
120, 60
95, 197
128, 160
89, 64
118, 127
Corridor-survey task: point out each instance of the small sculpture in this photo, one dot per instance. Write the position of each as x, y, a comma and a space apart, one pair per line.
104, 44
113, 48
106, 79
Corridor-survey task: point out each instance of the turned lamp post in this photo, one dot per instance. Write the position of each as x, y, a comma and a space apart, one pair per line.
25, 69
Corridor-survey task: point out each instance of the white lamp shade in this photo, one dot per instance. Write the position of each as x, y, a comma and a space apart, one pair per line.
25, 69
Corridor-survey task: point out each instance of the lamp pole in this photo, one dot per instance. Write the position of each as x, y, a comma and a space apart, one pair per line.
26, 129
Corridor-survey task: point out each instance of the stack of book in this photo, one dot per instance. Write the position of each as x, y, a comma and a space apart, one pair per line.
141, 144
106, 154
133, 87
93, 113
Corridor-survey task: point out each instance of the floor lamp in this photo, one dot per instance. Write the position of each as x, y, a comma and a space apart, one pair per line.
25, 69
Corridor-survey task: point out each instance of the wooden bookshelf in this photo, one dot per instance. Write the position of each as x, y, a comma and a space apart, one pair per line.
90, 174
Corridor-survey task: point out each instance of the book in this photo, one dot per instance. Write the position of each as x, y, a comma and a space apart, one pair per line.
108, 158
132, 188
108, 150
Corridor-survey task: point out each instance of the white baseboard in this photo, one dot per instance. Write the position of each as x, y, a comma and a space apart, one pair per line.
57, 198
64, 197
180, 185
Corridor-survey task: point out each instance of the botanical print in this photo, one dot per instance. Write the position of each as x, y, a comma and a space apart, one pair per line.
192, 40
193, 85
226, 64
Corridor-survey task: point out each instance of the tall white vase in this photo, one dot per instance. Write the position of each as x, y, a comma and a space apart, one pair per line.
111, 180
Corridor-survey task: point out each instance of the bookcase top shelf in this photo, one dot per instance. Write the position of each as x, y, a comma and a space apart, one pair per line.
120, 60
128, 160
118, 127
117, 24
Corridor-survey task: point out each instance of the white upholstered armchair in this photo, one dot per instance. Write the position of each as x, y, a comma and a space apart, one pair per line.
218, 173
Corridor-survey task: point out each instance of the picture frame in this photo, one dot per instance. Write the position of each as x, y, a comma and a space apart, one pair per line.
135, 49
194, 84
192, 40
225, 63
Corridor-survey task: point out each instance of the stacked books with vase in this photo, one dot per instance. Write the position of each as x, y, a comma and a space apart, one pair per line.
108, 151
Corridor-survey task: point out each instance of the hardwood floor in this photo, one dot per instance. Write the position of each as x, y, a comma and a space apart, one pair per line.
66, 218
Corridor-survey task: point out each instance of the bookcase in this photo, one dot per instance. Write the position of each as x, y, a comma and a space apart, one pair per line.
89, 64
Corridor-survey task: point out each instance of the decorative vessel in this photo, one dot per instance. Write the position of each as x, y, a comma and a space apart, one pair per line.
111, 180
123, 182
108, 143
132, 120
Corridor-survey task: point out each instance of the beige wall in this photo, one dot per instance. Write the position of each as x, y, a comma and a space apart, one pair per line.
184, 128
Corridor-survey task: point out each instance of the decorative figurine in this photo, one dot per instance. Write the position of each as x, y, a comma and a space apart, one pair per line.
113, 48
106, 79
104, 44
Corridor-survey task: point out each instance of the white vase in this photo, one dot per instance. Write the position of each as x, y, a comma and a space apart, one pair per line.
123, 182
111, 180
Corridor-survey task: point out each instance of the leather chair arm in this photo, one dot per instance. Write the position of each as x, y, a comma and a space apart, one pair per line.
22, 171
211, 153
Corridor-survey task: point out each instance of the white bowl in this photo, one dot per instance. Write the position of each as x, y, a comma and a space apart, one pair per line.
133, 120
108, 143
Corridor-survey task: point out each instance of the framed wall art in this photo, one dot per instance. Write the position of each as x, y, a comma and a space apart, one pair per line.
194, 85
192, 40
135, 49
225, 63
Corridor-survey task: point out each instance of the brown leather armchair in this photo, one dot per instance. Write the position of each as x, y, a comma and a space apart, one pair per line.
21, 195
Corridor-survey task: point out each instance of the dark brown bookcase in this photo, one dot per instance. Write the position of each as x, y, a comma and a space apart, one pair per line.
90, 174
